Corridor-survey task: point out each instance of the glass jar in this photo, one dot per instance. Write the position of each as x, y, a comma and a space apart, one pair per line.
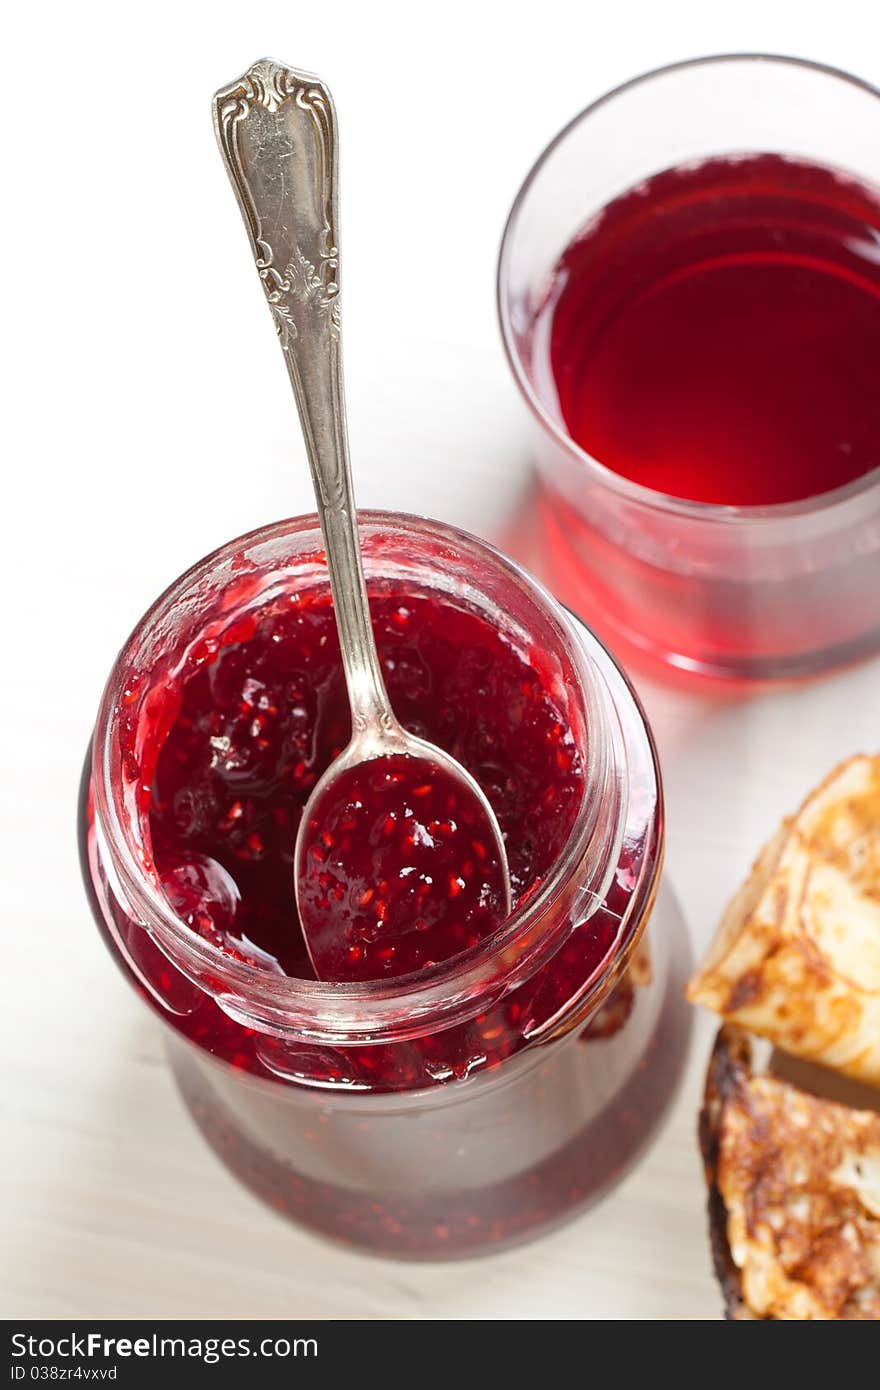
744, 592
483, 1099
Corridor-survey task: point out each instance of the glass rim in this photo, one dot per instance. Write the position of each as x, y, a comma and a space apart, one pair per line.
404, 1006
652, 498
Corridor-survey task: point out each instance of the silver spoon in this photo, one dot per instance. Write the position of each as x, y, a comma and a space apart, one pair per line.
276, 128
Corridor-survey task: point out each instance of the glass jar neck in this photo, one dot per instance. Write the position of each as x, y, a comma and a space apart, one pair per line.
220, 593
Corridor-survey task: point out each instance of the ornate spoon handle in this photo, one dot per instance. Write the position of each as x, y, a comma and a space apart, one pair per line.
276, 128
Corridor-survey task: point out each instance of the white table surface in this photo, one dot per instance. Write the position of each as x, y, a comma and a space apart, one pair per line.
149, 420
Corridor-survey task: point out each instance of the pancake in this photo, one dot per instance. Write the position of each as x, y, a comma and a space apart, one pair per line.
794, 1195
797, 955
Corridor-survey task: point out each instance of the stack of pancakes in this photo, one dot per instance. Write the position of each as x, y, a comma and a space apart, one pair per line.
794, 1177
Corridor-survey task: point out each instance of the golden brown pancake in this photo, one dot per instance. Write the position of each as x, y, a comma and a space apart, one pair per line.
797, 956
794, 1195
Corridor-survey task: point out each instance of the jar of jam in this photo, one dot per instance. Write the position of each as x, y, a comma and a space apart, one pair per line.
481, 1099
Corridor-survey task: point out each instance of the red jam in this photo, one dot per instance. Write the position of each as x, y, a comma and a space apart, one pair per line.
226, 753
449, 1139
261, 716
238, 738
399, 870
715, 334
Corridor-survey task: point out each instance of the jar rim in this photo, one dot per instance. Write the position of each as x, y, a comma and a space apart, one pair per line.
709, 512
451, 991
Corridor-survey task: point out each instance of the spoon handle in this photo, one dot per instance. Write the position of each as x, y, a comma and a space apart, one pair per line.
276, 128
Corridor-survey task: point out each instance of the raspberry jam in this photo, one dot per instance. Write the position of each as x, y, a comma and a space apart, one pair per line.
715, 333
400, 869
486, 1095
256, 721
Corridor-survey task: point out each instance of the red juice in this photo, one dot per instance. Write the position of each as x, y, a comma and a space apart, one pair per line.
714, 334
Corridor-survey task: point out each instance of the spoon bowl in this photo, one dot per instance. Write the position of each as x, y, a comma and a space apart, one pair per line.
393, 863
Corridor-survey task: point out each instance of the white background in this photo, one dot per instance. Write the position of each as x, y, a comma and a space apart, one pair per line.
148, 420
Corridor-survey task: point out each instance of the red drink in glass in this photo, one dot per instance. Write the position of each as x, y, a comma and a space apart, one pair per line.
690, 297
715, 335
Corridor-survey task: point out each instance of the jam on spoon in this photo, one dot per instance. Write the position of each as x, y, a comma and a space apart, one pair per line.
397, 871
282, 163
